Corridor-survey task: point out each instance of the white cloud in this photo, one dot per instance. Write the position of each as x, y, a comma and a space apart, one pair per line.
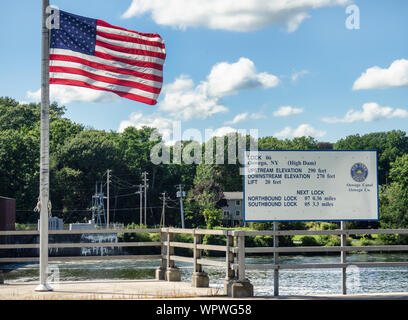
67, 94
378, 78
223, 131
303, 130
297, 75
286, 111
183, 99
227, 78
139, 120
371, 112
244, 116
238, 118
170, 130
257, 116
229, 15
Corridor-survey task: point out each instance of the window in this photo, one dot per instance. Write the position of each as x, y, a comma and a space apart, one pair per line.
226, 213
238, 202
237, 212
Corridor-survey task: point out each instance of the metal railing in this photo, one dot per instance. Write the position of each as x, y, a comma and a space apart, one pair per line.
234, 248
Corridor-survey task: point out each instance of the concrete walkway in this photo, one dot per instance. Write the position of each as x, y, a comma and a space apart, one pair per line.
116, 290
150, 289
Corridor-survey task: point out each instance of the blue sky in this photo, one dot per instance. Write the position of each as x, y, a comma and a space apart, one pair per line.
235, 67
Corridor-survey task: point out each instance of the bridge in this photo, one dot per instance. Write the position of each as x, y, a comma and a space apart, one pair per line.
167, 281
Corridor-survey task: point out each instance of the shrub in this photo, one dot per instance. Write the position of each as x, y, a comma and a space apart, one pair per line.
309, 241
263, 241
328, 226
215, 240
140, 237
185, 252
328, 240
392, 239
366, 241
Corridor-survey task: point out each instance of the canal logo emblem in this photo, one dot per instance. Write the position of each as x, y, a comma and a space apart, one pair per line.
359, 172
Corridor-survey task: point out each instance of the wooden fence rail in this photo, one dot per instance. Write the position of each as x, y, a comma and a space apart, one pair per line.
234, 264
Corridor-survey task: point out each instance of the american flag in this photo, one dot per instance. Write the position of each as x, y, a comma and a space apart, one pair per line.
91, 53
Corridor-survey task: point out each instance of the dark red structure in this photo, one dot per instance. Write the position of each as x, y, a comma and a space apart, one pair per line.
7, 214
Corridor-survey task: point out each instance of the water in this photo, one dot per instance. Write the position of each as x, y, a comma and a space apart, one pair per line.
291, 282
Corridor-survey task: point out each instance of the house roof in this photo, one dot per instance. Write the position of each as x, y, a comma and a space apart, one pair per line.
233, 195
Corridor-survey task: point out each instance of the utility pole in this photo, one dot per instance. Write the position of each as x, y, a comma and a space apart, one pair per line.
181, 194
107, 195
144, 176
140, 193
163, 216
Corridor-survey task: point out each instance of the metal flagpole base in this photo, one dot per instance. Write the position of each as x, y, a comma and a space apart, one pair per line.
43, 287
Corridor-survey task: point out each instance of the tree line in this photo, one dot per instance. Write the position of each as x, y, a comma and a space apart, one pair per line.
80, 156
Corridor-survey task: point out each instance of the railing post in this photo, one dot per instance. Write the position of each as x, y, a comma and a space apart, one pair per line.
229, 257
343, 258
200, 279
275, 260
161, 271
196, 253
241, 288
229, 261
172, 273
241, 256
169, 249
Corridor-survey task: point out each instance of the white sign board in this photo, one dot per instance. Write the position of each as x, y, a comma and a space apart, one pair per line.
310, 185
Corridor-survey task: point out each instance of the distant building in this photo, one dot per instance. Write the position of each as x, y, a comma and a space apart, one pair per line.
82, 226
233, 213
54, 223
7, 214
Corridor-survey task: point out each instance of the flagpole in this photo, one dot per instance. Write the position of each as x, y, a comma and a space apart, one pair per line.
45, 150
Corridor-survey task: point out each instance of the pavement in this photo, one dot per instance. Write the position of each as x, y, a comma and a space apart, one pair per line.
151, 289
107, 290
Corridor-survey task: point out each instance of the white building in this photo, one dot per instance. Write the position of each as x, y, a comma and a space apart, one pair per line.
233, 213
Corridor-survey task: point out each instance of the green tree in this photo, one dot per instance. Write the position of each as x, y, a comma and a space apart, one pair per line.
301, 143
399, 172
206, 194
394, 197
62, 130
212, 217
390, 145
81, 161
19, 170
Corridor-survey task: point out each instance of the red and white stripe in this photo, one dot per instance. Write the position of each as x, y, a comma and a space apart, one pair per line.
126, 62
